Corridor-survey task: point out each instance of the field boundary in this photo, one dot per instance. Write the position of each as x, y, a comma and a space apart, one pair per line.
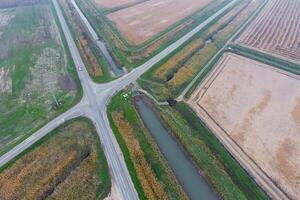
271, 187
210, 64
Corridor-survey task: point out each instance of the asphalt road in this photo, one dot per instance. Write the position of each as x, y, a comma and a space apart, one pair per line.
112, 64
94, 103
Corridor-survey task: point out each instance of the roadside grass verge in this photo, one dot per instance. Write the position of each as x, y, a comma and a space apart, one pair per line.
146, 165
265, 58
72, 20
75, 164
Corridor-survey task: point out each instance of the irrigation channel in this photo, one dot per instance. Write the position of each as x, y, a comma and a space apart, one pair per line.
117, 71
193, 183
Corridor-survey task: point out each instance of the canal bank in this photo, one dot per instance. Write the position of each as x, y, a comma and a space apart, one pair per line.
113, 65
189, 176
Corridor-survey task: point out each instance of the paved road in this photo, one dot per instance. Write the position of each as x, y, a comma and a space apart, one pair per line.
246, 23
112, 64
94, 104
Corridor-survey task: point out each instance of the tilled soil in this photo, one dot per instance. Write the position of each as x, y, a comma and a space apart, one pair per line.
257, 107
142, 21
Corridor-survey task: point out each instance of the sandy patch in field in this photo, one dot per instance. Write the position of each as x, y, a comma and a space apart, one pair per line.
5, 81
113, 3
141, 22
258, 107
6, 15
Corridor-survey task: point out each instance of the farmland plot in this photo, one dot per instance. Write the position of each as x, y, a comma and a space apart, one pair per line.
35, 84
276, 30
256, 108
113, 3
75, 167
141, 22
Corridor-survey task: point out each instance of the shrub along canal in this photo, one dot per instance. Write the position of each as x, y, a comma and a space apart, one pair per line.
187, 174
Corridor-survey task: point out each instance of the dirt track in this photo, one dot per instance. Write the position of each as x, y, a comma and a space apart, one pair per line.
141, 22
254, 109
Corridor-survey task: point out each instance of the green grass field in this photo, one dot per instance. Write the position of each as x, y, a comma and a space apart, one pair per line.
38, 73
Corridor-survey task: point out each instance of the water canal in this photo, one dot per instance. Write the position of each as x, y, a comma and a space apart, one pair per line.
193, 183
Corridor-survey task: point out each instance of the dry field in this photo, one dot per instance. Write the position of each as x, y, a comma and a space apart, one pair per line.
113, 3
276, 30
67, 164
257, 108
141, 22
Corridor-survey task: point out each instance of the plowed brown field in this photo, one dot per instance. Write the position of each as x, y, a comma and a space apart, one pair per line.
141, 22
254, 109
113, 3
276, 30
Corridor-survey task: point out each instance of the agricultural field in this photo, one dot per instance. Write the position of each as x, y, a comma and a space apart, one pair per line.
130, 55
169, 77
276, 30
150, 173
114, 3
255, 125
74, 163
37, 78
141, 22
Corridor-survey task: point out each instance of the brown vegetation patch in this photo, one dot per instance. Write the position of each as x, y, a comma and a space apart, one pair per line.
71, 164
67, 83
85, 42
276, 29
143, 21
151, 186
259, 117
183, 66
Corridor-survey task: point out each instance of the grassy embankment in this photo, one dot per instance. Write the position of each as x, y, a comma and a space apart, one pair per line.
148, 169
94, 61
266, 58
74, 163
40, 70
169, 77
130, 55
224, 173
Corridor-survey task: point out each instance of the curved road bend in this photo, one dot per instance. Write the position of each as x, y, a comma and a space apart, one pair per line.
94, 104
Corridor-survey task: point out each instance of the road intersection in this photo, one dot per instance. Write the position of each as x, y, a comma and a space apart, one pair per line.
94, 104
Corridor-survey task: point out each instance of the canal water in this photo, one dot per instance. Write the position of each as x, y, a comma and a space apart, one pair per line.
102, 46
195, 185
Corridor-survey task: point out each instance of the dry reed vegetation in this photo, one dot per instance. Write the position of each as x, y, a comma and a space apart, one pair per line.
93, 67
151, 186
65, 165
168, 79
